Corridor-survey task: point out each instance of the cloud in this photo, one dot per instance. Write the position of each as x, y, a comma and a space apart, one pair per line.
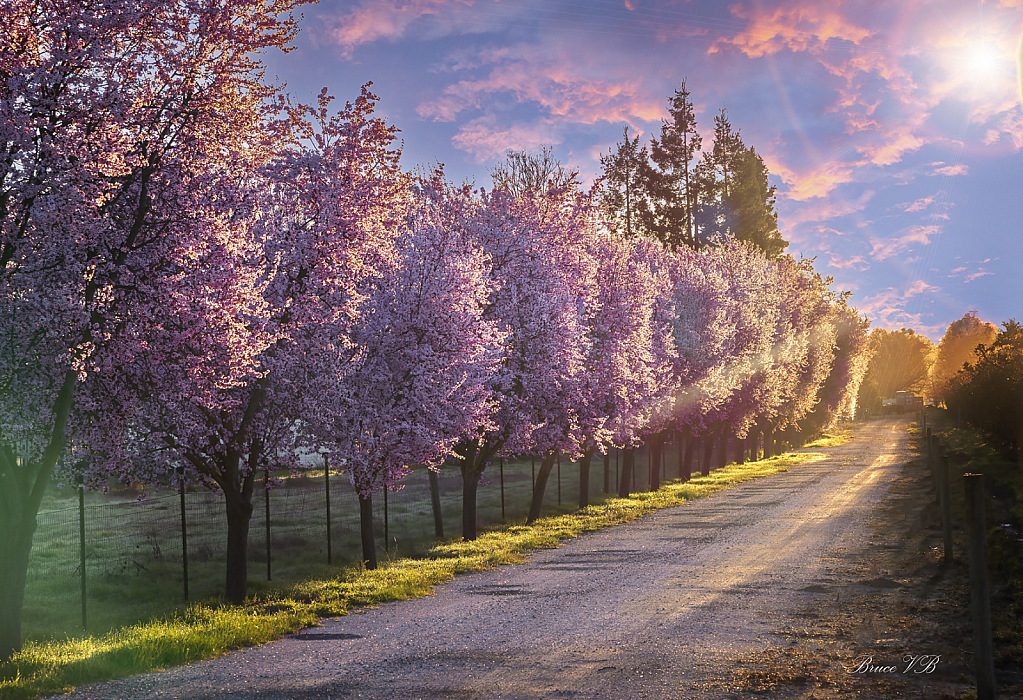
949, 170
797, 26
978, 271
887, 308
977, 275
379, 19
547, 78
918, 205
485, 139
1008, 129
856, 262
882, 249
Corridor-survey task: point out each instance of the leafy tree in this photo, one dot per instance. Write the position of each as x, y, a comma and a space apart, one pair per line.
123, 126
852, 348
522, 172
425, 353
542, 273
900, 361
989, 391
958, 347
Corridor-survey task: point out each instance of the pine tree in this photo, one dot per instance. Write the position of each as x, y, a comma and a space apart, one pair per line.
674, 177
627, 177
751, 205
739, 202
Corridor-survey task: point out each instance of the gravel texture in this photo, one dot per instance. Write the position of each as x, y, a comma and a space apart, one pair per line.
698, 601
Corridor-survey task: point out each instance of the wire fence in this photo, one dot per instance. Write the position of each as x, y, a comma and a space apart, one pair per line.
134, 553
111, 559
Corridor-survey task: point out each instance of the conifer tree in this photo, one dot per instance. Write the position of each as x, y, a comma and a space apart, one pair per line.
627, 177
674, 157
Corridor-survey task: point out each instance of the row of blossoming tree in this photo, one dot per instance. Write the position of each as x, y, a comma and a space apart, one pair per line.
202, 282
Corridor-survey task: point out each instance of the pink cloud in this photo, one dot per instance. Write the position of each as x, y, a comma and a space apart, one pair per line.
798, 26
379, 19
485, 139
950, 170
548, 79
1008, 129
882, 249
919, 205
856, 262
887, 309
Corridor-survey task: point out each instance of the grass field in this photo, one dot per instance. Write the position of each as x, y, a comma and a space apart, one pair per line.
138, 619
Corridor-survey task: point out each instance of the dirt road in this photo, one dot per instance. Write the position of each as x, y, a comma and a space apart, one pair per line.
700, 601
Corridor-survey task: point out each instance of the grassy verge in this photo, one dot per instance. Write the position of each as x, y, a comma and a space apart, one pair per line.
206, 630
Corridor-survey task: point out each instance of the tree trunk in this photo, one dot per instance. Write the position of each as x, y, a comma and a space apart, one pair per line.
741, 452
438, 518
708, 452
21, 493
470, 483
607, 471
239, 513
770, 443
546, 466
656, 450
15, 546
584, 478
723, 452
685, 462
628, 463
369, 545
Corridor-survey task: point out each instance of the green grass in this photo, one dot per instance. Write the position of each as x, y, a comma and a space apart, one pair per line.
834, 438
208, 629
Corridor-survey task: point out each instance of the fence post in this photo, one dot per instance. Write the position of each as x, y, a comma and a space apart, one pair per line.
934, 459
184, 530
266, 510
438, 516
944, 484
502, 489
81, 540
326, 484
980, 597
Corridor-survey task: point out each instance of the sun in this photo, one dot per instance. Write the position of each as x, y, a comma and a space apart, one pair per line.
983, 61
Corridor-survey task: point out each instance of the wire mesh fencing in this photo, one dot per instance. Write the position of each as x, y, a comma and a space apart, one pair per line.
136, 560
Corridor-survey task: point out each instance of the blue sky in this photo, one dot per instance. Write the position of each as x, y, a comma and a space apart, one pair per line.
893, 130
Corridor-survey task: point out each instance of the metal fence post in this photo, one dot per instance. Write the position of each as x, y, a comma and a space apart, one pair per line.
326, 484
81, 540
266, 510
184, 531
980, 594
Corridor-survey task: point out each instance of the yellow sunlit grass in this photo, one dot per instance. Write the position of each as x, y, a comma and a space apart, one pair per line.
209, 629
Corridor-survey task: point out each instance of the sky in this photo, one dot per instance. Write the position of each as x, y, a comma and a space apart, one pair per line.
893, 131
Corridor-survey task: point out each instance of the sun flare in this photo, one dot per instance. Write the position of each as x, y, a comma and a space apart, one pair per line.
983, 61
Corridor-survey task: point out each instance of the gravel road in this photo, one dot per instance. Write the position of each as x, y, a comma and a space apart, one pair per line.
665, 607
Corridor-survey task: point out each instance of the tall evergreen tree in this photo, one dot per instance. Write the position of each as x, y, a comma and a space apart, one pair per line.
739, 201
750, 205
627, 177
674, 176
